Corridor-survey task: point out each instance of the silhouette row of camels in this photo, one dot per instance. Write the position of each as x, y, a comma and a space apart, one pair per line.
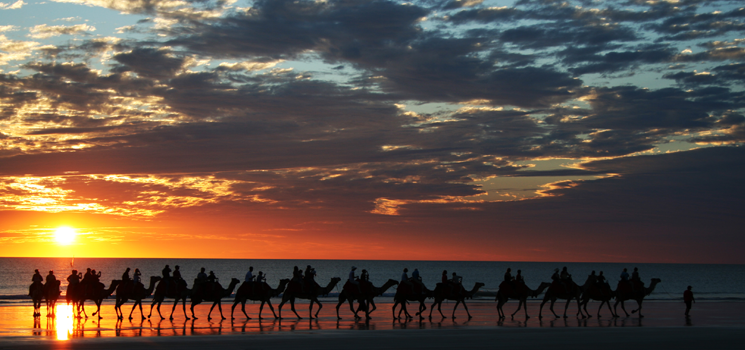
363, 294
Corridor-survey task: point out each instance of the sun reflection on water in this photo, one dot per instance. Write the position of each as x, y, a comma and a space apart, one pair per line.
63, 321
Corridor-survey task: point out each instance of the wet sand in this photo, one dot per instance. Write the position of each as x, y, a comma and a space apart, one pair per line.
712, 325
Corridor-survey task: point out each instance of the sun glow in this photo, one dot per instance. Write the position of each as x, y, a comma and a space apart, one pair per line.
64, 321
65, 235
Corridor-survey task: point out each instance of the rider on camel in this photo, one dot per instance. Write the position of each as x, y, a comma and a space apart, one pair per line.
353, 280
261, 281
200, 281
167, 277
308, 282
36, 280
508, 275
137, 280
249, 275
456, 282
565, 278
177, 274
51, 281
519, 277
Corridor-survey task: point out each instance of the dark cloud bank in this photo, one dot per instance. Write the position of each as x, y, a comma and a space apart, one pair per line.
535, 60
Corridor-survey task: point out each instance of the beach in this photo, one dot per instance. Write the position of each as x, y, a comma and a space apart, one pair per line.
712, 325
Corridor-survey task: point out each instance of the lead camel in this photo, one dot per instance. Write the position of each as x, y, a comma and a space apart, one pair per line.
638, 294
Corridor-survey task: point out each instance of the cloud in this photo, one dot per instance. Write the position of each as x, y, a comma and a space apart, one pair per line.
43, 31
14, 6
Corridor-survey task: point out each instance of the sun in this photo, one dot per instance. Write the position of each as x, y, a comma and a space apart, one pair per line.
65, 235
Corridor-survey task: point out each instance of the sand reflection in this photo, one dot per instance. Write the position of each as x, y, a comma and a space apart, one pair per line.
63, 321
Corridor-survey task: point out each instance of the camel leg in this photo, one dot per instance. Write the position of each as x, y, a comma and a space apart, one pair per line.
232, 309
192, 311
280, 308
603, 302
219, 307
209, 315
98, 309
455, 308
395, 303
540, 310
467, 312
439, 308
292, 307
183, 306
320, 306
151, 307
551, 307
580, 308
639, 310
613, 314
623, 307
369, 311
269, 302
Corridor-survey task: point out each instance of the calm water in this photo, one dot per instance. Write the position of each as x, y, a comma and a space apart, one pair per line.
710, 282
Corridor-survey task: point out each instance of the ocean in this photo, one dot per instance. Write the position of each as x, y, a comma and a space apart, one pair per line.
710, 282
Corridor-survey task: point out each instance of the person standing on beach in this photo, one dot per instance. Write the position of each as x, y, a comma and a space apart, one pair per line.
688, 299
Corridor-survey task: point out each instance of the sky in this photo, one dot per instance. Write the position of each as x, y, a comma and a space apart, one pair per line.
589, 131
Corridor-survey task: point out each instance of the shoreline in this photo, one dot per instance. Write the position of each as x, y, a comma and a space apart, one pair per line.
663, 326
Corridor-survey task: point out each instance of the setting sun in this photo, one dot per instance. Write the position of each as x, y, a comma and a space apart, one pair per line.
65, 235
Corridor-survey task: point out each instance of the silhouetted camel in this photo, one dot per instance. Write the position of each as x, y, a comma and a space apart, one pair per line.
292, 293
519, 292
365, 299
214, 295
260, 292
95, 292
37, 295
443, 292
406, 293
638, 295
558, 291
161, 292
51, 295
598, 293
136, 292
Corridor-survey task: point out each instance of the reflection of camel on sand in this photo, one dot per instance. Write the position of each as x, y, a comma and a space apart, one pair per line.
259, 291
411, 292
557, 290
443, 292
92, 291
518, 291
214, 292
351, 293
623, 294
296, 291
134, 291
180, 293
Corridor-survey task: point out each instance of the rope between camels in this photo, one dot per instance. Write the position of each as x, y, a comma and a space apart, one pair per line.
665, 289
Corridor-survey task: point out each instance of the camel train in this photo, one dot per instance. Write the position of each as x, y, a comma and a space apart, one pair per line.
355, 290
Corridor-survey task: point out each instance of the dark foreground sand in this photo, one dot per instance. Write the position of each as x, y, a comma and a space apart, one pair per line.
712, 326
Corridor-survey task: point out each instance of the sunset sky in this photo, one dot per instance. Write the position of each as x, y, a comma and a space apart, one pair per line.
427, 130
